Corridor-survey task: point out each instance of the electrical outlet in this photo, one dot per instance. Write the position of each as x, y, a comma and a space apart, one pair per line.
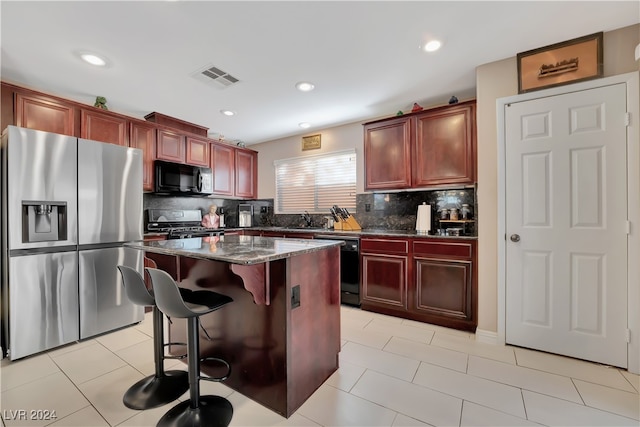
295, 296
367, 207
264, 209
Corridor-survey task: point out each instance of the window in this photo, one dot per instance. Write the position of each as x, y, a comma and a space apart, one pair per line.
315, 183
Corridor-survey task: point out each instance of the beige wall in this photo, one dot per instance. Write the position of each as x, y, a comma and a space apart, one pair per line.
493, 81
498, 80
332, 139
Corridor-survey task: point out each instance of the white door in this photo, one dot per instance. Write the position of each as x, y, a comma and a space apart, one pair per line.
566, 224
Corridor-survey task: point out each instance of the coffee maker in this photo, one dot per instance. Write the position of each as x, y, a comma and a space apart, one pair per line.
245, 215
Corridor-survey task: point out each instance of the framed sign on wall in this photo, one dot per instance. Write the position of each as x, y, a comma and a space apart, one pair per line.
571, 61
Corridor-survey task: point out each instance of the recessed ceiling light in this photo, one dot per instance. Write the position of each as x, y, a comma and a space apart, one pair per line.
93, 59
432, 46
304, 86
304, 125
228, 112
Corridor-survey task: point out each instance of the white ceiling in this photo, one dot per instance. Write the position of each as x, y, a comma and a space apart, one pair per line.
363, 56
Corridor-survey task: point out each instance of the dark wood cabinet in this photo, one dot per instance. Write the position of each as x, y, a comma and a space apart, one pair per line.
104, 127
143, 136
387, 154
223, 165
246, 174
41, 113
170, 146
434, 147
428, 280
235, 171
445, 290
197, 152
444, 149
160, 137
385, 275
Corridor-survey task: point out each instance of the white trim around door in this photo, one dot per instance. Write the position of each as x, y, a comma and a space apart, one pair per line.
632, 81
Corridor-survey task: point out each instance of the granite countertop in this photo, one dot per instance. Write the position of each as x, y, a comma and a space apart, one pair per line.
361, 233
236, 249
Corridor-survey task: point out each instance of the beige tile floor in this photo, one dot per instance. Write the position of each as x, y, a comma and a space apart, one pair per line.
393, 372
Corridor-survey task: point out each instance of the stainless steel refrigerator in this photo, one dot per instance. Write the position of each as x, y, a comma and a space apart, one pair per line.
68, 205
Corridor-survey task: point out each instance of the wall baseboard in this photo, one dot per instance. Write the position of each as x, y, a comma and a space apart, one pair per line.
487, 337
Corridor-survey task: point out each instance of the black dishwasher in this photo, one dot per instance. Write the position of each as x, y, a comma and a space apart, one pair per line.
349, 269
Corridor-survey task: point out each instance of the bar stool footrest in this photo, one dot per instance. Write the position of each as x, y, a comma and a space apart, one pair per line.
223, 362
180, 356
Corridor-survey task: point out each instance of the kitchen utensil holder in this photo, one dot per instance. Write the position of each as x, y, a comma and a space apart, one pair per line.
349, 224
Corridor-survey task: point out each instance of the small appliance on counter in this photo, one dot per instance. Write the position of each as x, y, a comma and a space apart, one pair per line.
245, 215
179, 223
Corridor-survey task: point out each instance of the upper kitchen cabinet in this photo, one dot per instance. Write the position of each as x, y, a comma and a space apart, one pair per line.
246, 174
444, 148
143, 136
434, 147
197, 152
223, 163
387, 154
102, 126
43, 113
170, 146
234, 171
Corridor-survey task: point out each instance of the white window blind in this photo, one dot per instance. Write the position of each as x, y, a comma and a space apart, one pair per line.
315, 183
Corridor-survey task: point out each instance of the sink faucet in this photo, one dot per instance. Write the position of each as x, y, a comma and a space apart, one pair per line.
307, 218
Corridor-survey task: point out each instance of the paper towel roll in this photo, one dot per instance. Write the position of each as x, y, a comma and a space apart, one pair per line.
423, 218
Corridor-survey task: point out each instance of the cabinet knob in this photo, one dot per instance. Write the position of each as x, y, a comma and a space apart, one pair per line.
515, 237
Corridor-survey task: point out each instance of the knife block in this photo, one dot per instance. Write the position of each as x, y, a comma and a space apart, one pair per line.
349, 224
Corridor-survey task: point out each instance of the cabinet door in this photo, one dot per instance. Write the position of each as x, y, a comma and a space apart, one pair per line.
223, 165
41, 113
444, 288
387, 154
246, 174
198, 152
103, 127
445, 147
384, 280
144, 137
170, 146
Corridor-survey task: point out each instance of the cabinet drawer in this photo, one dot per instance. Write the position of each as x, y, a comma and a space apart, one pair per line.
384, 246
448, 249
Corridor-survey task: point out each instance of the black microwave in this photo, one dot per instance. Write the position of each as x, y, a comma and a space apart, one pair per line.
176, 178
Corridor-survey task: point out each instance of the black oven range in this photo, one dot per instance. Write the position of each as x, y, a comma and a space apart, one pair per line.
179, 223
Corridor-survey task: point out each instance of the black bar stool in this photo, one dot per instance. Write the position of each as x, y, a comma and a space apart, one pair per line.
198, 410
164, 386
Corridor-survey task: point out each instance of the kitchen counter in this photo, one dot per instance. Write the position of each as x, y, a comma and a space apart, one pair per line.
286, 301
235, 249
365, 232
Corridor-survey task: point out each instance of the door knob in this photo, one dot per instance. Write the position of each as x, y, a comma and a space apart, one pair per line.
515, 237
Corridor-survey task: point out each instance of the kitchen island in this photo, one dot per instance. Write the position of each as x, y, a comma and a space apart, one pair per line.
281, 333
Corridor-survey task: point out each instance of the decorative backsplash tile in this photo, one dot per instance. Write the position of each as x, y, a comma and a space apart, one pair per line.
388, 211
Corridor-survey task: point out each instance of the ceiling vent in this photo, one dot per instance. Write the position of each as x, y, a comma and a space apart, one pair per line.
216, 77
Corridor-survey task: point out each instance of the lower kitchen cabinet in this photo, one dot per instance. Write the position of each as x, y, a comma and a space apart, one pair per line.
428, 280
384, 274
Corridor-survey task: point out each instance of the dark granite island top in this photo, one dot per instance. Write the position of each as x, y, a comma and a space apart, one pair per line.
281, 333
235, 249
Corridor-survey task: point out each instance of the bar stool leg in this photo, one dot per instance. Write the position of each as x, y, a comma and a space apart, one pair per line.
163, 387
214, 411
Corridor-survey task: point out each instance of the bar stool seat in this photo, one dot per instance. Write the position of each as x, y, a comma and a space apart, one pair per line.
164, 386
198, 410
